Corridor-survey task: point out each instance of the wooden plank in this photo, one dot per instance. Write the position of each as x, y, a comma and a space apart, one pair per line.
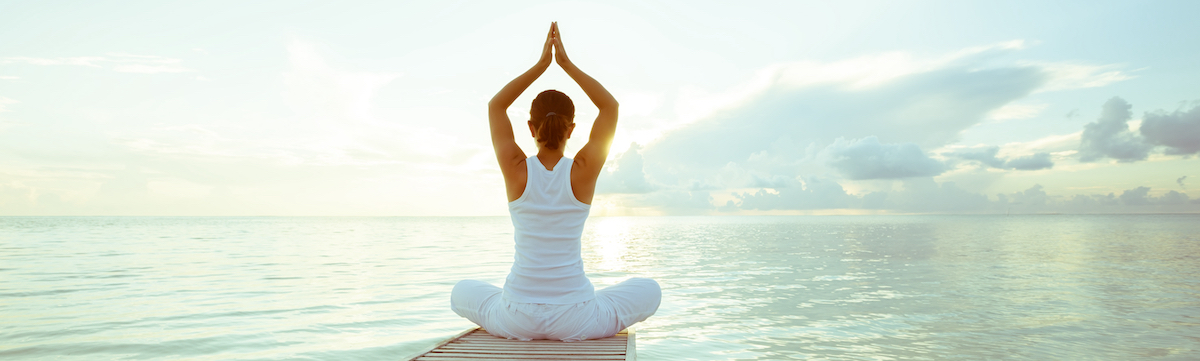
476, 344
446, 341
439, 358
520, 357
486, 337
524, 356
533, 352
619, 342
460, 359
630, 347
548, 347
500, 339
608, 341
521, 347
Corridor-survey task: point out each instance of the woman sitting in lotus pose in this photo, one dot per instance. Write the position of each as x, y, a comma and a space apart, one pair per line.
547, 295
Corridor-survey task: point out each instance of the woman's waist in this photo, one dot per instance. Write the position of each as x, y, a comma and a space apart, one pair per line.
564, 274
548, 293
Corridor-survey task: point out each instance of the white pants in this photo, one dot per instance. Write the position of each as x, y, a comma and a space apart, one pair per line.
614, 308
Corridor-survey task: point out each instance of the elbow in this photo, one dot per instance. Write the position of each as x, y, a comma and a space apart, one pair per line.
494, 106
611, 105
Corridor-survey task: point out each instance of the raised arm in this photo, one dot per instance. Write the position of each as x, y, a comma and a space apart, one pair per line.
508, 153
591, 157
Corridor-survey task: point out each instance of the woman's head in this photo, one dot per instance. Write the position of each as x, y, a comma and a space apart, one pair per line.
551, 118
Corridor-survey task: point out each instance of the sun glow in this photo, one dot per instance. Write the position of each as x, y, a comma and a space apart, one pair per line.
608, 244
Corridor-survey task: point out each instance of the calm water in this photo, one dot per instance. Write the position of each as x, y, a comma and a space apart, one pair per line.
854, 287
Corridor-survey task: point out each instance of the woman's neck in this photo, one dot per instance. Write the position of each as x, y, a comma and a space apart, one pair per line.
549, 157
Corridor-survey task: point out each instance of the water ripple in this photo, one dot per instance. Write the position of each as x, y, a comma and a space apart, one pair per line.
1028, 287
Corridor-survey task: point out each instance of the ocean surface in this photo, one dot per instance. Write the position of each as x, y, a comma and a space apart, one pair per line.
809, 287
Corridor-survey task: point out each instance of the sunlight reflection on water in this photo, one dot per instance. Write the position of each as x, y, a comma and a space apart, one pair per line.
898, 287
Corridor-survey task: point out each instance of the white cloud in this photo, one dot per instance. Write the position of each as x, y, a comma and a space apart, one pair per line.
1017, 111
781, 114
9, 77
119, 62
811, 193
1031, 162
150, 69
855, 74
662, 202
875, 70
80, 60
986, 156
923, 195
1110, 137
926, 195
317, 90
1050, 144
1066, 76
867, 158
626, 175
4, 102
1179, 131
775, 128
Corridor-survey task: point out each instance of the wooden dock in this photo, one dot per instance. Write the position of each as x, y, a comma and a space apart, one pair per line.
475, 344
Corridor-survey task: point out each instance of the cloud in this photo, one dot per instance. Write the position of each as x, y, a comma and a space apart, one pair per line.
1110, 137
1031, 162
150, 69
867, 158
119, 62
1131, 200
861, 119
79, 60
9, 77
1065, 76
627, 175
984, 155
4, 102
1180, 181
679, 202
1034, 196
1017, 111
812, 193
927, 109
776, 123
662, 202
317, 90
271, 160
1053, 144
1179, 131
926, 195
1173, 197
1135, 197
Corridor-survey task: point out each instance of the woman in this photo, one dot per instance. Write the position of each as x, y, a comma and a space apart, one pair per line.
546, 294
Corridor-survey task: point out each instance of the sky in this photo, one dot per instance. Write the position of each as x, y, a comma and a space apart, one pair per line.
315, 108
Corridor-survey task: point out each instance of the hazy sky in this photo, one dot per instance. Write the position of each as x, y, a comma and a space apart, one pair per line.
378, 108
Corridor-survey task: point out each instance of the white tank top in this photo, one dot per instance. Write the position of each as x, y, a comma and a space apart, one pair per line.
548, 223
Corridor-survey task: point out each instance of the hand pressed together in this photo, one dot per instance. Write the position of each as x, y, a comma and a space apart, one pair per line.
560, 54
